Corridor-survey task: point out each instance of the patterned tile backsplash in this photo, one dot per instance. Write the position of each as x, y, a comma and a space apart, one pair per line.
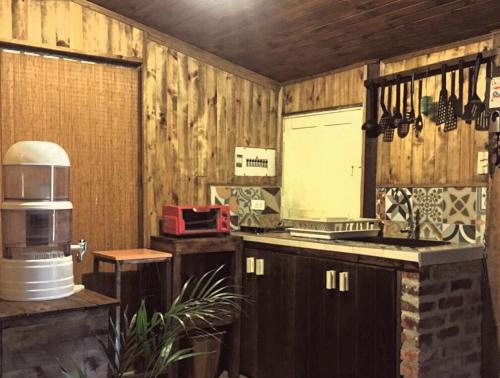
455, 214
239, 198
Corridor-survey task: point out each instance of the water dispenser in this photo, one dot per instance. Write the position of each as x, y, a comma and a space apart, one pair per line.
37, 263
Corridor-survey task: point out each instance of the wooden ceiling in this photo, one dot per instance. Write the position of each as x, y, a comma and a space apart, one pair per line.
291, 39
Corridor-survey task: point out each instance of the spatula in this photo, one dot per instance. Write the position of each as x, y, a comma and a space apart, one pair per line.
385, 118
483, 122
452, 108
443, 99
475, 105
397, 117
389, 130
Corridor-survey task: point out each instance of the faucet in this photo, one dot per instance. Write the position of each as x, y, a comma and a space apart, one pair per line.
413, 229
80, 248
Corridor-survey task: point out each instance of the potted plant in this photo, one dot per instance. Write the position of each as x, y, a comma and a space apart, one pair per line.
150, 342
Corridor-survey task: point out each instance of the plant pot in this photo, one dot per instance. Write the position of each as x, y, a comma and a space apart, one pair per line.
206, 365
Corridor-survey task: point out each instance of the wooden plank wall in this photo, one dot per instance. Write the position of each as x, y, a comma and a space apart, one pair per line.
195, 115
65, 24
336, 89
435, 157
67, 102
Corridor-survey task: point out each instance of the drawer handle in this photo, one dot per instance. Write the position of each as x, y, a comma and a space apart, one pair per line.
344, 281
259, 267
331, 280
250, 264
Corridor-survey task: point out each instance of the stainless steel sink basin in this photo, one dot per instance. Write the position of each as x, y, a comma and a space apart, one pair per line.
412, 243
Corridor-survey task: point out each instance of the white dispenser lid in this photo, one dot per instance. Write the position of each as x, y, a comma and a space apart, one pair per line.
32, 152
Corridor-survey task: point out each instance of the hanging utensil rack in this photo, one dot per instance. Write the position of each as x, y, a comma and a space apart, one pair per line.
430, 70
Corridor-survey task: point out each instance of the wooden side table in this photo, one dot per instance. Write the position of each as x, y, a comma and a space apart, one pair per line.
205, 249
128, 257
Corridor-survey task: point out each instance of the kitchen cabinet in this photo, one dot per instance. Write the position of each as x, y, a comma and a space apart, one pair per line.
313, 317
273, 337
352, 327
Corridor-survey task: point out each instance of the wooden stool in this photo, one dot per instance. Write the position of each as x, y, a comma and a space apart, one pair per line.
128, 257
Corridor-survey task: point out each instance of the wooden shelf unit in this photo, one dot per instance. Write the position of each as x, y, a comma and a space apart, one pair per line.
194, 256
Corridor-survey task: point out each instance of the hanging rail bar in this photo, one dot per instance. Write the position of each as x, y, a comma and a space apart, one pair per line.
432, 69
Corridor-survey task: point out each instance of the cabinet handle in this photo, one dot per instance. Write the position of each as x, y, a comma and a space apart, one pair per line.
331, 280
250, 264
344, 281
259, 267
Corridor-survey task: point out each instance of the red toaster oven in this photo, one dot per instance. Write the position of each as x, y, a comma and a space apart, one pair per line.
189, 220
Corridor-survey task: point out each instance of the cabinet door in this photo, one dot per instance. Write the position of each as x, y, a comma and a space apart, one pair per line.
323, 311
376, 306
249, 319
274, 323
352, 333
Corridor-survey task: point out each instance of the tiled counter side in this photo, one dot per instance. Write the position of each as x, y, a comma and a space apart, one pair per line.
440, 300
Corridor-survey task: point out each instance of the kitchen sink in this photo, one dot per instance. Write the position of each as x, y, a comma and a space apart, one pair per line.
412, 243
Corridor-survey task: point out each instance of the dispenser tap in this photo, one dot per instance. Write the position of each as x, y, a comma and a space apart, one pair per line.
80, 248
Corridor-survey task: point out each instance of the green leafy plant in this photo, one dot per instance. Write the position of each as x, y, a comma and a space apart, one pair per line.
149, 343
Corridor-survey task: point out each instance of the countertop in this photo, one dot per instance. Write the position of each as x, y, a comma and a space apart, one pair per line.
83, 300
424, 256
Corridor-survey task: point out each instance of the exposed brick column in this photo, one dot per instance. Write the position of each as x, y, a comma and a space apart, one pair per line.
441, 314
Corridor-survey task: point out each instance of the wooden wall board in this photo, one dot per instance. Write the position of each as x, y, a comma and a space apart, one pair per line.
289, 40
435, 157
195, 115
67, 102
183, 47
68, 26
190, 107
337, 89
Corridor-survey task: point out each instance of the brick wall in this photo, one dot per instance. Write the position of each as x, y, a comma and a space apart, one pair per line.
441, 313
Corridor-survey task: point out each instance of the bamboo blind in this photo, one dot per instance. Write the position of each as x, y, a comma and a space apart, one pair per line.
91, 110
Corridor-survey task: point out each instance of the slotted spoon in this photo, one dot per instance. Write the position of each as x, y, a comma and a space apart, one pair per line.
389, 130
419, 121
475, 105
443, 99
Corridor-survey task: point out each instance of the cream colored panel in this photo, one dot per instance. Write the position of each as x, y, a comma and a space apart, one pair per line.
322, 164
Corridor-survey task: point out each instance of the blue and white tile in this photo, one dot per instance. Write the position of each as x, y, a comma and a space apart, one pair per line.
398, 204
459, 233
430, 231
460, 206
428, 205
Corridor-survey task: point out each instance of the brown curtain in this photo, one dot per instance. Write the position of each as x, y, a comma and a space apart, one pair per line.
91, 110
